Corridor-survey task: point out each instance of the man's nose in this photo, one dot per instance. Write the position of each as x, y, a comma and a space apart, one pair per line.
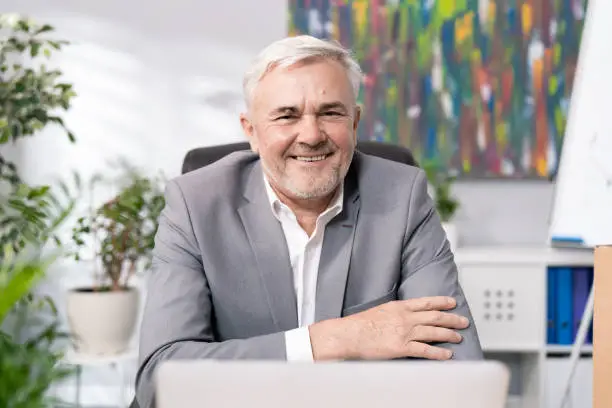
310, 132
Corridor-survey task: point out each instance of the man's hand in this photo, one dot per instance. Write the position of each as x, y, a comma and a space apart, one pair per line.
392, 330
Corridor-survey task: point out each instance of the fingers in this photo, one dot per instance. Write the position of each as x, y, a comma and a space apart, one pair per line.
422, 350
431, 334
440, 319
430, 303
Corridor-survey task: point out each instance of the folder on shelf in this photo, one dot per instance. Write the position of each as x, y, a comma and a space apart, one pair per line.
581, 280
551, 306
591, 282
565, 307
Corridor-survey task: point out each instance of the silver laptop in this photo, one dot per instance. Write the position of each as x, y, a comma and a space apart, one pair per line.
239, 384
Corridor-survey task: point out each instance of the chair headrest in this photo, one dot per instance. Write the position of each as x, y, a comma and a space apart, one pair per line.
203, 156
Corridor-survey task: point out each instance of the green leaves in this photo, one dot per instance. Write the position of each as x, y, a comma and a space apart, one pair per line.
18, 278
28, 366
123, 228
29, 94
28, 369
31, 215
31, 97
441, 182
23, 387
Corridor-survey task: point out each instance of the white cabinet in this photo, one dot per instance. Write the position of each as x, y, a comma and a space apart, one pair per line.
582, 392
507, 312
506, 289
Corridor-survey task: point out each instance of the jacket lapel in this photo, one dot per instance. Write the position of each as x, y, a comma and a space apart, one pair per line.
267, 240
336, 253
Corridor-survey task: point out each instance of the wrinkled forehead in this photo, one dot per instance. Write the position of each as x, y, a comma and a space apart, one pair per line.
314, 82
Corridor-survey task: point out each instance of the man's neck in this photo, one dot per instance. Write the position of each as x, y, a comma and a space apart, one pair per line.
307, 211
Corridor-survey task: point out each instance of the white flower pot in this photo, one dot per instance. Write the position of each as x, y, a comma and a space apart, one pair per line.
102, 323
451, 234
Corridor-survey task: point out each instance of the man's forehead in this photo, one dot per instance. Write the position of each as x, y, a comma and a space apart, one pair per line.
300, 94
318, 105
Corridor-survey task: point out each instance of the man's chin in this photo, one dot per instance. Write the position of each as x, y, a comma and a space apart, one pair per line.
313, 192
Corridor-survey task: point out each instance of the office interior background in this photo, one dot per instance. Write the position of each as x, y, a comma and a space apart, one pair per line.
155, 80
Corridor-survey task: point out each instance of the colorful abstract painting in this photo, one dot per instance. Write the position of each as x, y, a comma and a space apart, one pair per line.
481, 86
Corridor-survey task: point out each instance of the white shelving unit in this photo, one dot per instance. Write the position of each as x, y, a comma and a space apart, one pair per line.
506, 289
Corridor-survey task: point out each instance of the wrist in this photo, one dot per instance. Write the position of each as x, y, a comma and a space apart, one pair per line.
331, 340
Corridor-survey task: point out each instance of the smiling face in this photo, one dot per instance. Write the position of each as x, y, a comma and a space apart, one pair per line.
302, 121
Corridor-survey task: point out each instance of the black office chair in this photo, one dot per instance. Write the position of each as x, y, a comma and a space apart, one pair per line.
203, 156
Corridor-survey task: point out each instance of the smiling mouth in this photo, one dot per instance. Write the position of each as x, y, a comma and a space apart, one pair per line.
312, 158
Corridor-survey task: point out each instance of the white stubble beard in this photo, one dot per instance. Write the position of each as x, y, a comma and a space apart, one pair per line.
332, 182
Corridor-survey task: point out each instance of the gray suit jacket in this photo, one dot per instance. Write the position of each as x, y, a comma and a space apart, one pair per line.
221, 283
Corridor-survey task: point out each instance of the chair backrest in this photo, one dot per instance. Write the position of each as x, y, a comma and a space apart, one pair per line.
203, 156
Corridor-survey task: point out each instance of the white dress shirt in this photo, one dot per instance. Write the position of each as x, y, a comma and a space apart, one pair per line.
304, 254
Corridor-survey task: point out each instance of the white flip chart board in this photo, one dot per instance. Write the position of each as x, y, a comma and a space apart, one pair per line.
582, 209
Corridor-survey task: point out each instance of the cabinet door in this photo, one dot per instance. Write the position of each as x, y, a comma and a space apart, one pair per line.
557, 370
508, 305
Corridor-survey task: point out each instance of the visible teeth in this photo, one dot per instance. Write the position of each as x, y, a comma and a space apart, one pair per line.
312, 158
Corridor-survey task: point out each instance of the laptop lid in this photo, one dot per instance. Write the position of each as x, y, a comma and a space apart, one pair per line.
423, 384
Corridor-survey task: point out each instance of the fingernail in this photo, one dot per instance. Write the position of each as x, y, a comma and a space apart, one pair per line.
464, 320
449, 354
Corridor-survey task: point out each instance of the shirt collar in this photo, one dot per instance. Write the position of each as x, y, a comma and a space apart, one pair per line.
335, 206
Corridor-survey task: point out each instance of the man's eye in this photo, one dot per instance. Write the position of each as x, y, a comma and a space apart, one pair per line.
332, 113
285, 117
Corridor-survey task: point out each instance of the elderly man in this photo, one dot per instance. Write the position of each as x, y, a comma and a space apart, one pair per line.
303, 249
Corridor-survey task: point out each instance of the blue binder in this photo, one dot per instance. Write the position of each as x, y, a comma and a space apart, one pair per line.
582, 287
565, 306
589, 339
551, 305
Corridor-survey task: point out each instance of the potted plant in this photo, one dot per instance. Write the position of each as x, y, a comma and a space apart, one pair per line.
120, 233
31, 98
446, 205
30, 363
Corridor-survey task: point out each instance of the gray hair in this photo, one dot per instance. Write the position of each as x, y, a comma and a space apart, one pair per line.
291, 50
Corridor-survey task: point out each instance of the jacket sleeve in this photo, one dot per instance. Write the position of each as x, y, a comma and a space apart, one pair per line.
429, 269
178, 314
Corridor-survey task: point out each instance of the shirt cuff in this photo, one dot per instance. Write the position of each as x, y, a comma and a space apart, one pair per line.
297, 343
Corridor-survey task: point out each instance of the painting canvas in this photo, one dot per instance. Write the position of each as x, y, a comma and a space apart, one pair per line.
480, 86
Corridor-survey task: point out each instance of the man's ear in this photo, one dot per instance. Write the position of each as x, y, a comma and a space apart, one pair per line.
249, 131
